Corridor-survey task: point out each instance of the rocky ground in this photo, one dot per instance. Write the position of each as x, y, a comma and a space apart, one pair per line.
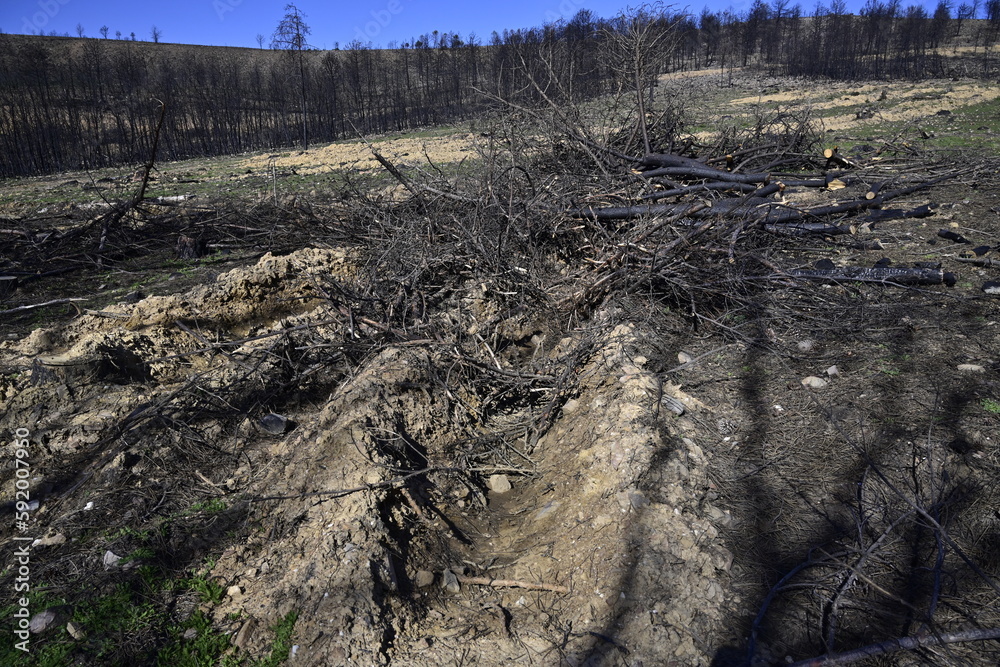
420, 453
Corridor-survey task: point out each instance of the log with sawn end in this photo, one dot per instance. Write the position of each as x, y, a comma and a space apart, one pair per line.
884, 275
744, 208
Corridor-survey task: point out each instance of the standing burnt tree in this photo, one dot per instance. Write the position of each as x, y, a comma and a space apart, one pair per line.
290, 36
639, 43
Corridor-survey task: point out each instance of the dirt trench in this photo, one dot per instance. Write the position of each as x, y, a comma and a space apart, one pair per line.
391, 481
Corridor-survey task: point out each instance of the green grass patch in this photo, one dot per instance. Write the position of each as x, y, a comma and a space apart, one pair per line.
213, 506
117, 623
203, 650
284, 631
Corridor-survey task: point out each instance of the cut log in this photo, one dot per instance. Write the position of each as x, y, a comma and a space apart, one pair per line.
743, 208
808, 228
670, 160
833, 157
885, 275
707, 173
952, 236
980, 261
768, 190
898, 214
723, 186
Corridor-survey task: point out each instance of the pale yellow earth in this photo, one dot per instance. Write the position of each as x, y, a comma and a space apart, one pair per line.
890, 101
357, 155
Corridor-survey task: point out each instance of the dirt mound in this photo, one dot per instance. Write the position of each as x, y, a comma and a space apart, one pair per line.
572, 517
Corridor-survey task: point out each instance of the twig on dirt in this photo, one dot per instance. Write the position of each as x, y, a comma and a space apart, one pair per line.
987, 579
340, 493
389, 166
510, 583
104, 313
490, 350
197, 336
140, 414
414, 506
901, 644
240, 341
848, 583
980, 261
769, 598
207, 480
53, 302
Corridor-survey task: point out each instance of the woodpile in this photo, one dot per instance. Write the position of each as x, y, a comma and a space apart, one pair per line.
687, 225
766, 199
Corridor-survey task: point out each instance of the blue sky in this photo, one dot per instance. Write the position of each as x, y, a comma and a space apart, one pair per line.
238, 22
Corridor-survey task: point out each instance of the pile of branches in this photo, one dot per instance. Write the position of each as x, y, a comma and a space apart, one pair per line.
648, 231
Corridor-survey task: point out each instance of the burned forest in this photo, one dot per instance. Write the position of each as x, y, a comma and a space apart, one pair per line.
653, 340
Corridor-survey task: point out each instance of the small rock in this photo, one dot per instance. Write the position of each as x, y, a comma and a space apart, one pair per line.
684, 358
242, 637
498, 484
672, 404
190, 634
50, 618
111, 559
449, 582
276, 424
806, 345
632, 499
50, 540
813, 382
234, 592
833, 371
992, 287
971, 368
75, 631
424, 578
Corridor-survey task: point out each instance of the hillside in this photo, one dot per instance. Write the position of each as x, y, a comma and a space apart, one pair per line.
467, 397
70, 104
